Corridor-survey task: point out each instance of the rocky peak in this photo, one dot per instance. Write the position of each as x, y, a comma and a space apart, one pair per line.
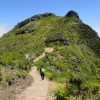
72, 13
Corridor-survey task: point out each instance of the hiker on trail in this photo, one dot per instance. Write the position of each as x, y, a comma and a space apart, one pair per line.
42, 70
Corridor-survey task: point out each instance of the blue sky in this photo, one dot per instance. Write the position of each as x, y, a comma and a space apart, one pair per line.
15, 11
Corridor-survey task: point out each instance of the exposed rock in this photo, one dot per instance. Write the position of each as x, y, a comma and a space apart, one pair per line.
48, 14
23, 22
61, 39
20, 32
11, 67
27, 56
39, 16
35, 17
27, 30
72, 13
16, 66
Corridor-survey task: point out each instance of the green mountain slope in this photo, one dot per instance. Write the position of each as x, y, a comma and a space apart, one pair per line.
76, 55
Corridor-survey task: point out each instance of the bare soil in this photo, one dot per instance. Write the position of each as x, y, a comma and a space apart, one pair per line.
9, 92
30, 88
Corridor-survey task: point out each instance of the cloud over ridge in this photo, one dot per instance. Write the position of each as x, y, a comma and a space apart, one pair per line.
4, 28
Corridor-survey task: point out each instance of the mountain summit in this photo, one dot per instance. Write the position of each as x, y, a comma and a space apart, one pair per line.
72, 13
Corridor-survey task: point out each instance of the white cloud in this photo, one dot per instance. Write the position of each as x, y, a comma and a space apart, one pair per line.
4, 28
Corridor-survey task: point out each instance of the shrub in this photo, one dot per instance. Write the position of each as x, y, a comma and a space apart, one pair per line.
60, 92
9, 79
18, 74
2, 83
21, 74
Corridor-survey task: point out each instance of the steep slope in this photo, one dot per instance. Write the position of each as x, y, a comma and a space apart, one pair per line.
76, 55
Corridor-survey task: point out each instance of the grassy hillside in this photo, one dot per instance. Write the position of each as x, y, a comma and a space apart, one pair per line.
74, 63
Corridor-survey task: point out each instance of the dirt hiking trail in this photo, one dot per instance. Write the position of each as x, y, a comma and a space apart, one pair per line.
40, 89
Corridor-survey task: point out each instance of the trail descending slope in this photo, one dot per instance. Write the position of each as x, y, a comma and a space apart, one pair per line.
43, 54
39, 89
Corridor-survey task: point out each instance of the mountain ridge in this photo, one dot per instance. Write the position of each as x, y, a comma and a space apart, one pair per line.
75, 58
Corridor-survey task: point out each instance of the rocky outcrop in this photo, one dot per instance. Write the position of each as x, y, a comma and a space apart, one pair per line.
27, 30
60, 39
72, 13
35, 17
21, 24
68, 41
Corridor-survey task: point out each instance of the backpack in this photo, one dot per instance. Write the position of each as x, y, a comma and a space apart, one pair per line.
43, 70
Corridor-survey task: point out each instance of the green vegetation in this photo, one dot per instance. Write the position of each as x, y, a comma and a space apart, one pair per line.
74, 63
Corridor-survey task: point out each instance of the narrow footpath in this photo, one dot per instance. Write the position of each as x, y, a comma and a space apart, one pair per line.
40, 89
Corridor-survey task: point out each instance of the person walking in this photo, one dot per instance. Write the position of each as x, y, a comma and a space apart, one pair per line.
42, 72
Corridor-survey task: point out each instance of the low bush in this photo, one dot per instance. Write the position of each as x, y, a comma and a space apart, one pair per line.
9, 79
